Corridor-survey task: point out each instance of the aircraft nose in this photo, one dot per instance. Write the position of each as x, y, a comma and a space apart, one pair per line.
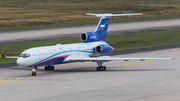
20, 62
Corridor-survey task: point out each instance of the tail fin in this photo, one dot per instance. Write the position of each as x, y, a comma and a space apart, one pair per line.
102, 27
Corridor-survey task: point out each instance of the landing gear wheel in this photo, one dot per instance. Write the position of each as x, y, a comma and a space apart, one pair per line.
52, 67
102, 68
45, 68
34, 73
49, 67
97, 68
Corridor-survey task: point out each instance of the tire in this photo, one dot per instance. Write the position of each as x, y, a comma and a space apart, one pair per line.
45, 68
48, 68
52, 67
104, 68
97, 68
32, 73
101, 68
35, 73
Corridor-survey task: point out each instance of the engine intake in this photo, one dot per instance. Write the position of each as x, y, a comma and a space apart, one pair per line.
84, 36
88, 36
104, 48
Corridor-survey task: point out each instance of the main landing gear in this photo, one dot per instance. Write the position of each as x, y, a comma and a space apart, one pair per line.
49, 67
34, 71
100, 67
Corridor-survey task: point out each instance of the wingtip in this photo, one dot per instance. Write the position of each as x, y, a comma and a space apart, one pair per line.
172, 58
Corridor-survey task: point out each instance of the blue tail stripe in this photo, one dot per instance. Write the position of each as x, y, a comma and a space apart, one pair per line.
107, 22
103, 33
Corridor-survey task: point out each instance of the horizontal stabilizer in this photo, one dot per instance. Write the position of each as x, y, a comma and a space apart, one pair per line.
108, 15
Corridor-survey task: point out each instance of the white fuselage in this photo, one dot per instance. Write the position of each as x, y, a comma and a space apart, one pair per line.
50, 55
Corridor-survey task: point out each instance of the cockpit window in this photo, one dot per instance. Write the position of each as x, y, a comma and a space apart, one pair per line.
24, 55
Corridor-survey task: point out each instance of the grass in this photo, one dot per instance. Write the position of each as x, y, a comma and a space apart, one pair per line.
27, 14
144, 39
119, 42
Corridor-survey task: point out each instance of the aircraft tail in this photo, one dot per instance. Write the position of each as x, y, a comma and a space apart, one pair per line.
102, 26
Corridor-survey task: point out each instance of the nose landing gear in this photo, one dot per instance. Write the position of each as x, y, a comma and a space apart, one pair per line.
34, 71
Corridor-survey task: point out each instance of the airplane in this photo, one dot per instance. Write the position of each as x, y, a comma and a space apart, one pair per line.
93, 45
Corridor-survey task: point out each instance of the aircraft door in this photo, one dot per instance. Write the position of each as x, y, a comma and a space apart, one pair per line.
39, 54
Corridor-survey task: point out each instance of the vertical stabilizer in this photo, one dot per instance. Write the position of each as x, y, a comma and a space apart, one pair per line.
102, 27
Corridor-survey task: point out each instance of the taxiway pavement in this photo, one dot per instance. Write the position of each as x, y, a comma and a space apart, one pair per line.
152, 80
30, 35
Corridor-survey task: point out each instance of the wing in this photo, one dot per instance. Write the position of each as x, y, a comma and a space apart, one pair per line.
4, 56
108, 58
15, 57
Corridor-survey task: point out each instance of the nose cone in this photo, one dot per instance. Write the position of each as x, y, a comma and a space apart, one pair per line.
20, 62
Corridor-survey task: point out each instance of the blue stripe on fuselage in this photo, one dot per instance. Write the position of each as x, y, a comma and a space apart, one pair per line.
61, 59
